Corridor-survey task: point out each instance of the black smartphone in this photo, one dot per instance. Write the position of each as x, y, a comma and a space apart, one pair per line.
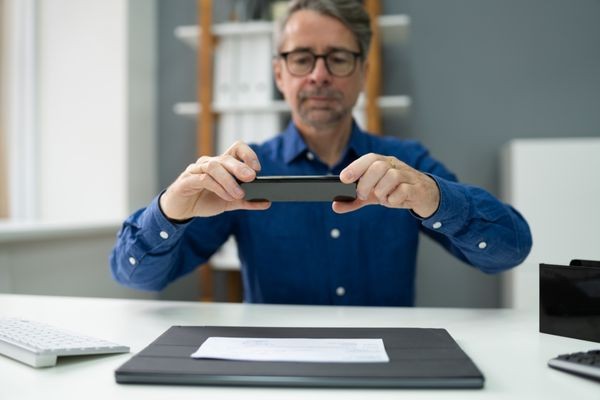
299, 188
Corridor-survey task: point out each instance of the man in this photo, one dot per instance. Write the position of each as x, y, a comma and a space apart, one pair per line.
320, 253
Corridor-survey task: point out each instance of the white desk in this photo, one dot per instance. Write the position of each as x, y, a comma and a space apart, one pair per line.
504, 344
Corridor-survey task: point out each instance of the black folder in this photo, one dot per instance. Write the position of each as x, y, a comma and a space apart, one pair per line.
419, 358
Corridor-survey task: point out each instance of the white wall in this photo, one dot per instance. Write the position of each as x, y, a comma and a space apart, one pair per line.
96, 74
96, 144
82, 109
555, 183
142, 67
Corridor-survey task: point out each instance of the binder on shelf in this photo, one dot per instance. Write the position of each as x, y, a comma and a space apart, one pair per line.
249, 127
271, 126
255, 85
227, 132
226, 64
258, 127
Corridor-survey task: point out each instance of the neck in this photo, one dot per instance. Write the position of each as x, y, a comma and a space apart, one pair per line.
327, 142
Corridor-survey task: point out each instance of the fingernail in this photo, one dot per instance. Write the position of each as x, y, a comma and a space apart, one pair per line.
255, 165
347, 175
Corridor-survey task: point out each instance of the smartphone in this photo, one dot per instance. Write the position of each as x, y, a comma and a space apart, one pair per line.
299, 188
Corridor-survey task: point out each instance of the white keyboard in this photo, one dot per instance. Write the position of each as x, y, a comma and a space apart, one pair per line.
39, 345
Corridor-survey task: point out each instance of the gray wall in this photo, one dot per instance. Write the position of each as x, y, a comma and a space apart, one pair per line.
176, 83
67, 262
480, 73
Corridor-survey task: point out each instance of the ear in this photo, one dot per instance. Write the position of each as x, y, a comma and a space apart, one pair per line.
277, 71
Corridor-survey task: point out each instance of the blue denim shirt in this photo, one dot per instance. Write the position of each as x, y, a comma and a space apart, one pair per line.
304, 253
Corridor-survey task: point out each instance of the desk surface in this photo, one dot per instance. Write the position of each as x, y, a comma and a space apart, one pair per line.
505, 345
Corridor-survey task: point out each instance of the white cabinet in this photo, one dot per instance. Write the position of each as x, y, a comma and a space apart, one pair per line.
555, 184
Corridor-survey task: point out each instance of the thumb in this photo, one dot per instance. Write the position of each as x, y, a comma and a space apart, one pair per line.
342, 207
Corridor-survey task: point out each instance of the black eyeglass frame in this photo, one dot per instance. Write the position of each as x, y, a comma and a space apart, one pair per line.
355, 54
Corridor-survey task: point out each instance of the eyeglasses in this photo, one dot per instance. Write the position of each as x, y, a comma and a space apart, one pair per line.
339, 63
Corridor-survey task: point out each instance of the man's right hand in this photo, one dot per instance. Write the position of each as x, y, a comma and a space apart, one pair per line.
209, 186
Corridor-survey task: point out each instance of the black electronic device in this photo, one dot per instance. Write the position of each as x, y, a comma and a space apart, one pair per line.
299, 188
570, 299
570, 306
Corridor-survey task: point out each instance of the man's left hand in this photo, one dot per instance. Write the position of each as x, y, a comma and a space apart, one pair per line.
387, 181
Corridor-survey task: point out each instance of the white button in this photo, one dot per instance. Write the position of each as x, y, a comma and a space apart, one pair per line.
132, 261
335, 233
482, 245
310, 156
437, 225
340, 291
164, 235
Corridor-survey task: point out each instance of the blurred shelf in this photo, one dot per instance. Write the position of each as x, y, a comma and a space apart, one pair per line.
393, 28
399, 104
190, 34
192, 108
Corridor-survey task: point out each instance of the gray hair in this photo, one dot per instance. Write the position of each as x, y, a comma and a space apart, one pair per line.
351, 13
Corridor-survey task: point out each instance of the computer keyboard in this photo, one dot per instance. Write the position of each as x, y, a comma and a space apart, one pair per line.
583, 363
39, 345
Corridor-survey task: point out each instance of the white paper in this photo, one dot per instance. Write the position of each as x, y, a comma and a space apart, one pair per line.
295, 350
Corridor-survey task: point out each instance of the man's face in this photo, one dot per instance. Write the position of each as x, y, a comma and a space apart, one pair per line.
318, 99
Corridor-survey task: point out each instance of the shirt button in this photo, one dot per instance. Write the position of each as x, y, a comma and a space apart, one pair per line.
482, 245
164, 235
437, 225
310, 156
340, 291
132, 261
335, 233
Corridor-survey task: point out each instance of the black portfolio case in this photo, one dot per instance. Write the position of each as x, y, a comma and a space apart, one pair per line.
419, 358
570, 299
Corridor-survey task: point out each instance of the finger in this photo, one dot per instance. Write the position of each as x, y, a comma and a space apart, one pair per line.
197, 182
374, 173
219, 173
242, 151
240, 170
358, 167
196, 168
400, 197
248, 205
237, 168
342, 207
389, 182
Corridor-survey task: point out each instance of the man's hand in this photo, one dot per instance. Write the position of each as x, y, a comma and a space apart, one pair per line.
389, 182
209, 187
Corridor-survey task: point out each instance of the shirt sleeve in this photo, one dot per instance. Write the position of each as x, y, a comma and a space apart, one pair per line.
473, 224
151, 251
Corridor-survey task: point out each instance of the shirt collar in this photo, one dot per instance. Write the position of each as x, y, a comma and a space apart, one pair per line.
294, 145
